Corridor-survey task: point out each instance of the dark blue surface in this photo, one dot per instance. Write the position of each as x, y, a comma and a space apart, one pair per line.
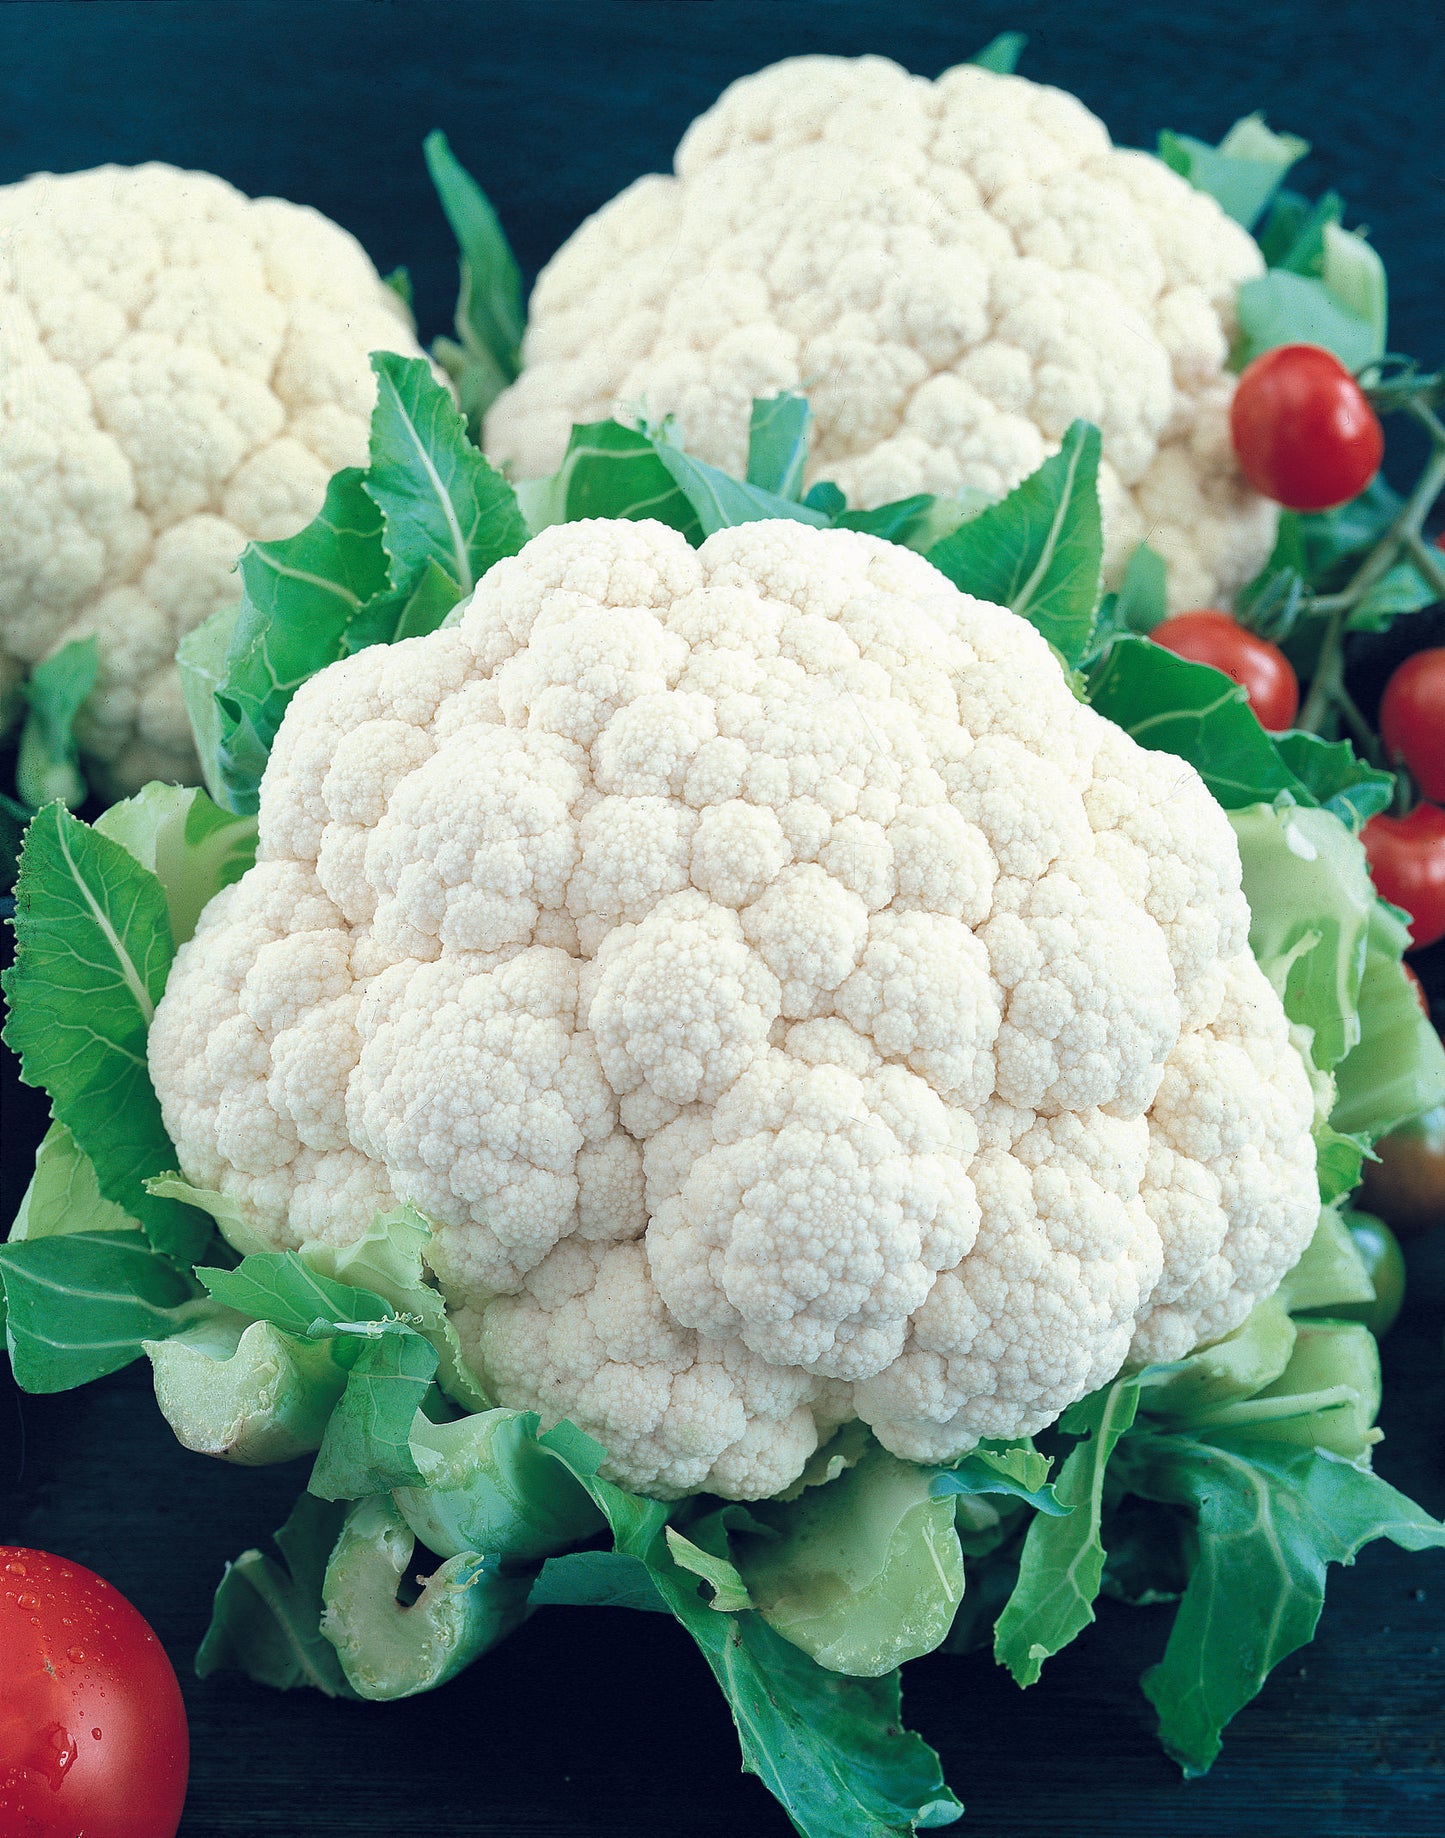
556, 104
607, 1725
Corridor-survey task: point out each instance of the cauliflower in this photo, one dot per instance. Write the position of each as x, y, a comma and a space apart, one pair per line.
181, 370
787, 1002
953, 271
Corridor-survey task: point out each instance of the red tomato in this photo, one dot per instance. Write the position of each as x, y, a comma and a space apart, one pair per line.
93, 1740
1304, 433
1407, 861
1264, 670
1412, 719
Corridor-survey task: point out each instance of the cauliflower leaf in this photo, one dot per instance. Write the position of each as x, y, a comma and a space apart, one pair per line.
1039, 551
1268, 1520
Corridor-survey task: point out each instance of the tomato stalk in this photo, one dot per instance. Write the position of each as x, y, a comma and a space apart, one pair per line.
1403, 540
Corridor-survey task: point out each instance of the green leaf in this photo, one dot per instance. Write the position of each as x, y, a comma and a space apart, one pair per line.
730, 1592
1354, 276
1237, 1366
1292, 235
1310, 904
192, 846
231, 1222
1330, 1272
825, 496
1339, 1159
720, 501
918, 522
278, 1286
1002, 53
389, 1261
778, 444
64, 1194
1019, 1472
1143, 602
1039, 551
831, 1749
1174, 706
1140, 604
597, 1579
243, 1391
486, 1484
490, 313
399, 281
863, 1573
266, 1620
366, 1448
48, 764
388, 1650
93, 949
404, 612
1063, 1558
439, 498
299, 597
1336, 777
1327, 1397
1329, 537
609, 471
1397, 1071
1280, 308
79, 1305
201, 665
1243, 172
1270, 1519
1401, 589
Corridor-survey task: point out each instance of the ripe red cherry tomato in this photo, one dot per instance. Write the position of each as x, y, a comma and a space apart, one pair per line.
1304, 433
93, 1736
1264, 670
1412, 719
1407, 861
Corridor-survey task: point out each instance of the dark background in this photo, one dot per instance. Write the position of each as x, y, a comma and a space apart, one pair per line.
595, 1724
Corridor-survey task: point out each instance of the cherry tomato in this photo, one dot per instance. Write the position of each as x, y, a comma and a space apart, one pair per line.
1407, 862
1264, 670
1304, 433
93, 1740
1412, 719
1407, 1184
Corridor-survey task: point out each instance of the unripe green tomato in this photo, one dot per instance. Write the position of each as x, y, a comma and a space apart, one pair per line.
1385, 1262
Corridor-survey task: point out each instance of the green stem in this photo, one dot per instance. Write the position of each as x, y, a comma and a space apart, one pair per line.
1327, 690
1328, 679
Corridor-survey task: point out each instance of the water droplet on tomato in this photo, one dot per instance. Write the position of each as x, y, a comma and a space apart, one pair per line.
17, 1569
96, 1734
26, 1600
75, 1655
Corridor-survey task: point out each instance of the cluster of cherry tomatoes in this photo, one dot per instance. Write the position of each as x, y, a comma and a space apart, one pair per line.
1305, 435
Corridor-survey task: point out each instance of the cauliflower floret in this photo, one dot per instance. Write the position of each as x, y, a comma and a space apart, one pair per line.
182, 369
786, 1001
953, 271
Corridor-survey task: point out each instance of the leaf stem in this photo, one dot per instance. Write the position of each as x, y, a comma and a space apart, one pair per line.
1327, 690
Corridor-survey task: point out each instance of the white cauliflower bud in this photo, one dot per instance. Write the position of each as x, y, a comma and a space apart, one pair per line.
786, 1001
953, 271
182, 369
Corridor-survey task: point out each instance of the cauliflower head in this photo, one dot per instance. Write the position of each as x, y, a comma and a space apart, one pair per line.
182, 369
787, 1002
953, 271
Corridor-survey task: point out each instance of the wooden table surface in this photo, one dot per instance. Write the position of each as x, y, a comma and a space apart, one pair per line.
598, 1724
